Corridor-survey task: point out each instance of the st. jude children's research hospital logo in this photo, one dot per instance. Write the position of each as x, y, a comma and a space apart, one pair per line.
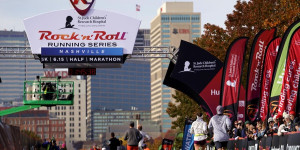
190, 66
187, 67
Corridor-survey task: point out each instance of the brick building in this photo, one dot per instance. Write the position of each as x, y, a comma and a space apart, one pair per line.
39, 122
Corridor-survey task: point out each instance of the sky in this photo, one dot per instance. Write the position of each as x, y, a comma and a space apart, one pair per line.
13, 12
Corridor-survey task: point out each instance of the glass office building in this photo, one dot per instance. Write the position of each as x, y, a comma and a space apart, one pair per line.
142, 38
126, 88
15, 71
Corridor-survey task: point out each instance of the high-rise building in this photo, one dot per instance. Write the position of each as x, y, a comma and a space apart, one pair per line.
39, 122
126, 88
15, 71
13, 39
175, 21
142, 38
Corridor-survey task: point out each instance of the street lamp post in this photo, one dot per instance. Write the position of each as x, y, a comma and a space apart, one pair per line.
137, 117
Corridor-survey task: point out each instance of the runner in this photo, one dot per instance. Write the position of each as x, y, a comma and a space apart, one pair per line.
220, 124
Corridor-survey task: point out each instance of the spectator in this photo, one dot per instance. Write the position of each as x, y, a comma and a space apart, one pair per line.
240, 131
220, 124
288, 123
276, 122
285, 126
144, 139
294, 119
121, 147
113, 142
270, 130
247, 124
297, 126
261, 129
250, 134
133, 136
199, 129
236, 124
233, 131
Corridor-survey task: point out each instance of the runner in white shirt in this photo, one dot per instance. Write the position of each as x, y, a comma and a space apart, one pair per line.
145, 137
199, 129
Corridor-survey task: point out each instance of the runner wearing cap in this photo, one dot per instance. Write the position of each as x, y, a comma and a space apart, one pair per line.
220, 124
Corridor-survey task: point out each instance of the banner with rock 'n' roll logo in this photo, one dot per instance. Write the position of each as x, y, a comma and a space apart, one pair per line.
255, 69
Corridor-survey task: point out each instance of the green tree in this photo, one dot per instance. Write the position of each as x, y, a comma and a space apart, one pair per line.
184, 107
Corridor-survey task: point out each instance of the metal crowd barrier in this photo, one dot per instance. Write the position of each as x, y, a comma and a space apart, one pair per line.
288, 141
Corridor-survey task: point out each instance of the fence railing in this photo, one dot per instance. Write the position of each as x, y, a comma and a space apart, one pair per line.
288, 141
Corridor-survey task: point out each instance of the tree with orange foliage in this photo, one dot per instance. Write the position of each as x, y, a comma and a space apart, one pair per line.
247, 19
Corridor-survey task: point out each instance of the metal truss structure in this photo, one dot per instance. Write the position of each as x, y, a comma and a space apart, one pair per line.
139, 52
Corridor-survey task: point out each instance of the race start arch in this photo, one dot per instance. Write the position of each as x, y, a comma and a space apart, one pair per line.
80, 39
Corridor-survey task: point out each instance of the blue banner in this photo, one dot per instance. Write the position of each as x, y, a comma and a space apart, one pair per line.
84, 51
188, 138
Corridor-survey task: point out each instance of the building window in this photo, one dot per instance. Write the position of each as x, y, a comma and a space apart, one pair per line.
196, 31
78, 90
195, 26
166, 96
39, 129
195, 36
165, 31
78, 85
79, 107
165, 36
165, 26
